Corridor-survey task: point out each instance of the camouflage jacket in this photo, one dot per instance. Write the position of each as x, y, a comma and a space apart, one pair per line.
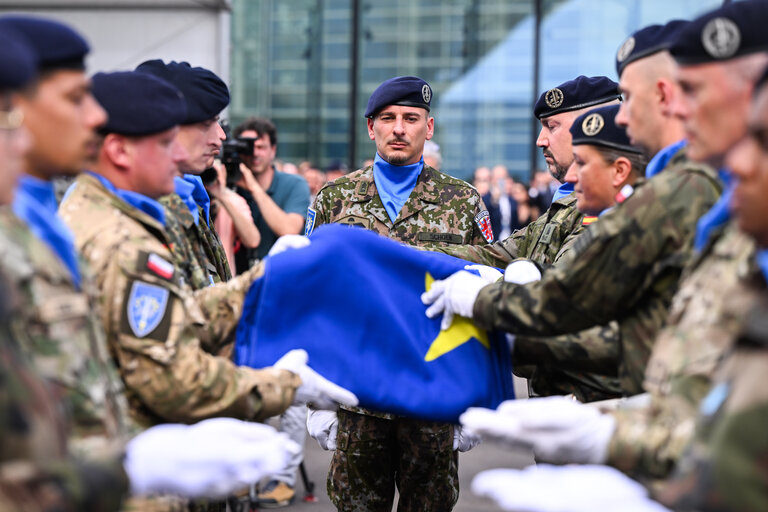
37, 473
440, 208
157, 327
624, 267
723, 468
705, 319
196, 248
57, 327
544, 241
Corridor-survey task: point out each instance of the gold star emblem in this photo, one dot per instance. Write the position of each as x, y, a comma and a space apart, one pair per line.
460, 332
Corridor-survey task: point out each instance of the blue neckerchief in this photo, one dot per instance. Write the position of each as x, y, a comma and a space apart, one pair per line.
718, 215
662, 158
562, 191
138, 201
35, 204
185, 191
200, 195
395, 183
762, 262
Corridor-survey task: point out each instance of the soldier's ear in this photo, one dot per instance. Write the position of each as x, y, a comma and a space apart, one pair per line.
116, 151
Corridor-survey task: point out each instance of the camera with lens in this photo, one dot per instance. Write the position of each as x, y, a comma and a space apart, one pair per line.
232, 151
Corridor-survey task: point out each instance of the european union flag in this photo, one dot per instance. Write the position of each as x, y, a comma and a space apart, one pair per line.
352, 301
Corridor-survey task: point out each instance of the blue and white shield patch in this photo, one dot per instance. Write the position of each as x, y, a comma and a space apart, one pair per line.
146, 307
309, 226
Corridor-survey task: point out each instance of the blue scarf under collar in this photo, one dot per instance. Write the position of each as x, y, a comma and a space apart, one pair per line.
192, 191
35, 204
138, 201
395, 183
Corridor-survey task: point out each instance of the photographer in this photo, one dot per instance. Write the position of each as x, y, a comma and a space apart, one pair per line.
231, 214
278, 200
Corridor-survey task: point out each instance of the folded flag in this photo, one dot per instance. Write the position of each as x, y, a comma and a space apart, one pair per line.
352, 301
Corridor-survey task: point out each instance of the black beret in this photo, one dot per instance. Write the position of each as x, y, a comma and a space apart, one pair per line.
205, 93
138, 103
18, 63
598, 128
576, 94
410, 91
56, 45
646, 42
733, 30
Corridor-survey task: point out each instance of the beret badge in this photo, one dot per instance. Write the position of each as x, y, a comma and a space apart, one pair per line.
554, 98
592, 124
426, 93
721, 38
625, 49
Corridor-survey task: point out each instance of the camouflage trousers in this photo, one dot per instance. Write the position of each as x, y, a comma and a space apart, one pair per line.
374, 455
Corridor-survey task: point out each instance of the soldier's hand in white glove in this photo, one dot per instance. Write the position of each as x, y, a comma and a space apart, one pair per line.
559, 430
323, 426
212, 458
286, 242
545, 488
490, 274
314, 389
522, 272
454, 295
463, 439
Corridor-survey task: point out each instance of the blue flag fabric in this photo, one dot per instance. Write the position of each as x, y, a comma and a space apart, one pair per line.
352, 301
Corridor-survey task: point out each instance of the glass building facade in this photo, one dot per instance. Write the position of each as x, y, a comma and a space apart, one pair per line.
310, 66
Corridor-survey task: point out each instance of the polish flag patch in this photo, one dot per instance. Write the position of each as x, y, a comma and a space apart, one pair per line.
160, 266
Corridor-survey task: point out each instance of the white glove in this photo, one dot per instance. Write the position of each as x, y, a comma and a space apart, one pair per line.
454, 295
286, 242
490, 274
323, 426
545, 488
559, 430
315, 389
522, 272
212, 458
463, 439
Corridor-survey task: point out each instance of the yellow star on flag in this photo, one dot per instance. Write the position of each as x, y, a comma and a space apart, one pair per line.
461, 331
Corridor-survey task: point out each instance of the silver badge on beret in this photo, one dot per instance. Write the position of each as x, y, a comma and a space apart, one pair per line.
721, 38
625, 49
553, 98
592, 125
426, 93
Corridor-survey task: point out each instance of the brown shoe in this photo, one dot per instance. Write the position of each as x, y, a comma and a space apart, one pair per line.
276, 494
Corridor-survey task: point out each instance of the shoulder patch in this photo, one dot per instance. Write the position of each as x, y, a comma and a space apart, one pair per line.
145, 307
309, 224
483, 221
588, 219
624, 193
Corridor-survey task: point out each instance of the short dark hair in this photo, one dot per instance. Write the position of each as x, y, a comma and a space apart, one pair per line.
638, 160
260, 125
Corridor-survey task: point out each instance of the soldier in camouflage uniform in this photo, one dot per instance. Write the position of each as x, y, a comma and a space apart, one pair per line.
625, 267
54, 319
550, 237
156, 327
723, 280
375, 451
605, 168
707, 311
195, 246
